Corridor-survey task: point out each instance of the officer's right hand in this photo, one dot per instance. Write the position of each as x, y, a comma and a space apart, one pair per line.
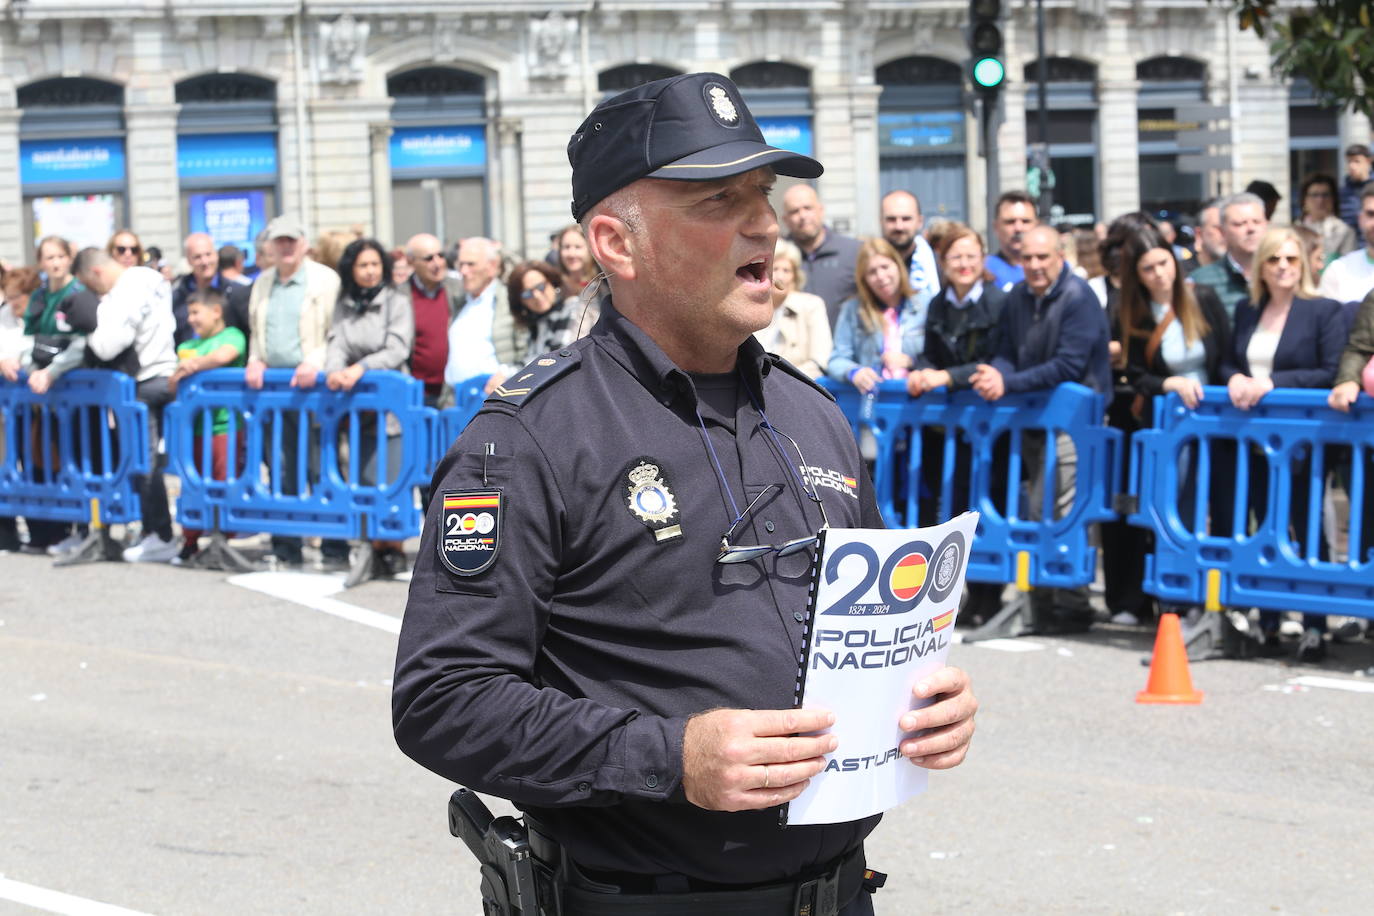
744, 759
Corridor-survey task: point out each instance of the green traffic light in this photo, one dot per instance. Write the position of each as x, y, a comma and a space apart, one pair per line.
989, 73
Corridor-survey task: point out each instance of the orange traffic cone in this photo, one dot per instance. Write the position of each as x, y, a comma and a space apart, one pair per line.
1170, 681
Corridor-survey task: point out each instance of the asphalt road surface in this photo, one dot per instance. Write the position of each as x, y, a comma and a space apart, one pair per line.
175, 741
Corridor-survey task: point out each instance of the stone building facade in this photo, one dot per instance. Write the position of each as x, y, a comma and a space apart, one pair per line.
175, 115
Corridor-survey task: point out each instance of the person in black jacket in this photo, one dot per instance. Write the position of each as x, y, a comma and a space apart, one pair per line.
1175, 335
205, 274
961, 332
1285, 339
1052, 331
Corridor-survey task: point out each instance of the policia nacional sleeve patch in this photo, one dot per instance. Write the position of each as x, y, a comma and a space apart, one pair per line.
470, 530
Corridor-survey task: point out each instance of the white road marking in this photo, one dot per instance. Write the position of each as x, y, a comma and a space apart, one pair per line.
314, 592
1333, 683
1009, 645
57, 902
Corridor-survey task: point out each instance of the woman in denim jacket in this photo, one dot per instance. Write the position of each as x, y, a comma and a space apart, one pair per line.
881, 332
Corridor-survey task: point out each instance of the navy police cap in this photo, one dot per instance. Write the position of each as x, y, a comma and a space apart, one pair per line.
693, 127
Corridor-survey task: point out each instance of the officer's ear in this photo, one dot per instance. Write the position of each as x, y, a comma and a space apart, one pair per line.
613, 243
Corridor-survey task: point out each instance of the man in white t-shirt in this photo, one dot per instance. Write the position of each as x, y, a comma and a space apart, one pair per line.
1350, 277
136, 311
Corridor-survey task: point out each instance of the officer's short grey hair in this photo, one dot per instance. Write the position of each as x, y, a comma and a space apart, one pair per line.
1243, 199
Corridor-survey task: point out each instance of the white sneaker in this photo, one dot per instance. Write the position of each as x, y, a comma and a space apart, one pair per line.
152, 549
66, 545
1125, 619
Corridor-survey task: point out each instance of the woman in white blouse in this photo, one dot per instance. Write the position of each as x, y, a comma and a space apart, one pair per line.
1284, 338
800, 330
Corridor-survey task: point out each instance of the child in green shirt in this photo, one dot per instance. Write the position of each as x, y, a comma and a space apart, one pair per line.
215, 346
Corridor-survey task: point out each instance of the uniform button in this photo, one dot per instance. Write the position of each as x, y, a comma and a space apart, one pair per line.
768, 526
565, 353
651, 781
584, 787
798, 616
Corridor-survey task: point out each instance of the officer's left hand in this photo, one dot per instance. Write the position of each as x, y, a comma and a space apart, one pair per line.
946, 724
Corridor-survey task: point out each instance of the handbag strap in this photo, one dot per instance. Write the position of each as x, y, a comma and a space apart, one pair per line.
1157, 338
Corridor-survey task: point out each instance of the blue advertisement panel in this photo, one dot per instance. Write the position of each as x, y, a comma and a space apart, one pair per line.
792, 134
433, 148
921, 131
64, 162
226, 155
230, 218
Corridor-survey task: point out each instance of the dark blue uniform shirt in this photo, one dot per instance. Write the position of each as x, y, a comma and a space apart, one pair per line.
562, 676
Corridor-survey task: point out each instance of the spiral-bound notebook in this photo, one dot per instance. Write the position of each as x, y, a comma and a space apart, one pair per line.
881, 616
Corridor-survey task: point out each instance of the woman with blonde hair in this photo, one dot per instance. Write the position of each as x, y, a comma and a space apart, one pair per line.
125, 248
575, 260
800, 329
1284, 338
880, 333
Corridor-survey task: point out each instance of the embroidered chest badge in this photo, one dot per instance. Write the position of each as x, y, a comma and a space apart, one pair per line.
470, 530
650, 500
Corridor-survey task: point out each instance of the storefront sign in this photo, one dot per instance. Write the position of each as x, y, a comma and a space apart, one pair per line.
921, 131
67, 162
230, 218
791, 134
226, 155
434, 148
87, 221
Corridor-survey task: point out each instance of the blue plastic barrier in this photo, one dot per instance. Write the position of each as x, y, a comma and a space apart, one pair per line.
468, 397
331, 502
1057, 549
85, 439
1264, 567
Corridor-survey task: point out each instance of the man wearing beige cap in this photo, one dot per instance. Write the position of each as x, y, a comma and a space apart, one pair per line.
289, 312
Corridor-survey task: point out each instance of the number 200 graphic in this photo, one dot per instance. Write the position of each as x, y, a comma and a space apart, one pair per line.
911, 573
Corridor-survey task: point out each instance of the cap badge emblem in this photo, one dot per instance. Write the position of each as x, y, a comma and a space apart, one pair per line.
650, 500
721, 104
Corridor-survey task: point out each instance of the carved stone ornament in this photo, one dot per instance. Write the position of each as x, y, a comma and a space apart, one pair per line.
344, 46
447, 35
552, 40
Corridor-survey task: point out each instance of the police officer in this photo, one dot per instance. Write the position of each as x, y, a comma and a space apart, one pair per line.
608, 607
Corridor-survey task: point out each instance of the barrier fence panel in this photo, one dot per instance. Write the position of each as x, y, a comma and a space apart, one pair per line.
941, 454
468, 397
85, 439
1236, 500
303, 461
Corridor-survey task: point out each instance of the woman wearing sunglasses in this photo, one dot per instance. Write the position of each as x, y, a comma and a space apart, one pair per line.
1284, 338
550, 320
125, 248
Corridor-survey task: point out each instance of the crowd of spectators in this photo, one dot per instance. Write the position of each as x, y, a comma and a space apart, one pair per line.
1144, 306
327, 310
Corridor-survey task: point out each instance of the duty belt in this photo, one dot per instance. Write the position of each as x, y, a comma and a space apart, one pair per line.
823, 895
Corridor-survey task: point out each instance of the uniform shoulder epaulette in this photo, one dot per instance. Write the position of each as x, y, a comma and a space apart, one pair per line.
785, 366
537, 376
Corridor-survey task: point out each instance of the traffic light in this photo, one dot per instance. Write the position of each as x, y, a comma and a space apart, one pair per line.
985, 45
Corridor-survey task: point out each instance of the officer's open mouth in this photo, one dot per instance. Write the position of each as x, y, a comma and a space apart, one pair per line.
756, 271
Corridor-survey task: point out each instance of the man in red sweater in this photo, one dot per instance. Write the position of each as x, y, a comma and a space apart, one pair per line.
436, 299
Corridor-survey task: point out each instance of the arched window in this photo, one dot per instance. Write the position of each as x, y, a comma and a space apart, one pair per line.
1167, 86
227, 162
779, 97
1071, 97
1314, 139
628, 76
921, 145
71, 157
438, 153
